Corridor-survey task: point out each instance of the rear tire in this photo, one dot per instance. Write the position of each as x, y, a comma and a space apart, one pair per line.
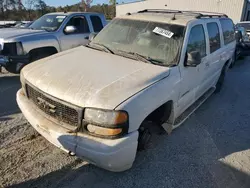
220, 82
234, 59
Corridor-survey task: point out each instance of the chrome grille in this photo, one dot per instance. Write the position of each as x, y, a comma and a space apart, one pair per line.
54, 107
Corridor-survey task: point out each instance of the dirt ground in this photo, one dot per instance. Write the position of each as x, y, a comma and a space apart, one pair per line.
210, 150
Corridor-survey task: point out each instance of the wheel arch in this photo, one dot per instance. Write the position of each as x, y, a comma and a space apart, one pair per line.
50, 50
162, 114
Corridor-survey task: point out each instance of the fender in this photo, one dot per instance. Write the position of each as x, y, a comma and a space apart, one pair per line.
39, 41
151, 98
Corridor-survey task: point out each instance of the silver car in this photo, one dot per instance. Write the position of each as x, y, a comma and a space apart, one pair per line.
50, 34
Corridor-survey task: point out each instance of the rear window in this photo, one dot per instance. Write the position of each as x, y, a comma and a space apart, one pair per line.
97, 23
214, 36
228, 30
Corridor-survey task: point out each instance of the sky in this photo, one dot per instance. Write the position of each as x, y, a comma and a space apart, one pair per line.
71, 2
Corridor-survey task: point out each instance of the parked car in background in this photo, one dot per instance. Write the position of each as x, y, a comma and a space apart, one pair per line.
50, 34
142, 72
246, 25
23, 25
243, 42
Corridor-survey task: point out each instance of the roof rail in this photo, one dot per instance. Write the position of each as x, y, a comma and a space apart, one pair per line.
196, 14
160, 11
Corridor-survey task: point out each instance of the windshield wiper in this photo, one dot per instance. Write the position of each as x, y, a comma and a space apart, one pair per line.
102, 46
143, 58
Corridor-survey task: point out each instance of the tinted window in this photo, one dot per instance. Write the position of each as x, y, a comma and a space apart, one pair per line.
214, 36
228, 31
197, 41
80, 23
97, 23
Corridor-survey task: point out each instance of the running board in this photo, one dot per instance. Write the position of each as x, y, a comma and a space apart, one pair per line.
185, 115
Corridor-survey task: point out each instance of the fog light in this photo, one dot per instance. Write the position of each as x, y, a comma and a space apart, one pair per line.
103, 131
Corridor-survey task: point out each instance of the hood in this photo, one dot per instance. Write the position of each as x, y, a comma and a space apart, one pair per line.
91, 78
12, 33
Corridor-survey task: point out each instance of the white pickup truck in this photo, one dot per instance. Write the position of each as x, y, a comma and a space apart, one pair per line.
50, 34
149, 69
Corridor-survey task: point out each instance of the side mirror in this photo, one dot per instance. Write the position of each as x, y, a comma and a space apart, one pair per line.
70, 29
92, 36
193, 59
238, 36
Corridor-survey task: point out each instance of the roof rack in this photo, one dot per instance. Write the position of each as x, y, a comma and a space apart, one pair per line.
196, 14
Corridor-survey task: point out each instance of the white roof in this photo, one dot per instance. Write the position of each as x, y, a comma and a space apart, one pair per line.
173, 18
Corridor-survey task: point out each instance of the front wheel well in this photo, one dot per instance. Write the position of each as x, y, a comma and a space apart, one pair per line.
161, 114
39, 53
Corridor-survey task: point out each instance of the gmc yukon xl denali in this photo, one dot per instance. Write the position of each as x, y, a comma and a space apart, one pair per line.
144, 70
50, 34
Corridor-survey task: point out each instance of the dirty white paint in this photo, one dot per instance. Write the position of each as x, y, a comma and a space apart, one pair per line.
94, 78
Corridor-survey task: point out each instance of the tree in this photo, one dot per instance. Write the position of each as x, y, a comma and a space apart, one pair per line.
30, 6
41, 6
113, 4
86, 4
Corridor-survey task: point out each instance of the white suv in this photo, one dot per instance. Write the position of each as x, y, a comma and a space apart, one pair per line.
144, 70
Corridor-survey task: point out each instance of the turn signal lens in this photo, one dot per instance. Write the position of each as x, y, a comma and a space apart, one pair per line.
103, 131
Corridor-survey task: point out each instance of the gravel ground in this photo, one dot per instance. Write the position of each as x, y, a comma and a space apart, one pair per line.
211, 149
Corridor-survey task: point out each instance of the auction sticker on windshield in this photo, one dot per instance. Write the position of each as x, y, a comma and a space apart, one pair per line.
163, 32
60, 17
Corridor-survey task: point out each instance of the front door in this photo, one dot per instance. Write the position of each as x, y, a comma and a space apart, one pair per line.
77, 38
192, 76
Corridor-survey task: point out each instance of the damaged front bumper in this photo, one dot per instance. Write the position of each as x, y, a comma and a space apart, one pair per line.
114, 155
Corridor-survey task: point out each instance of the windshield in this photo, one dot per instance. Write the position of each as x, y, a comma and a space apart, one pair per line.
157, 41
245, 25
48, 22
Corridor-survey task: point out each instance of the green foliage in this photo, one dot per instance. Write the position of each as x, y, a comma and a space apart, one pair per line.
33, 9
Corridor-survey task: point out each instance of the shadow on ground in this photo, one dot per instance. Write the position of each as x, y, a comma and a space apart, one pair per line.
9, 86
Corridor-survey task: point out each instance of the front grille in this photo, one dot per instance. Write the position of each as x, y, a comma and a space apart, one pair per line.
54, 108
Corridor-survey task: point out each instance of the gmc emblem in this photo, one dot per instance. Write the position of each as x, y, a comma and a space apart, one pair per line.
45, 105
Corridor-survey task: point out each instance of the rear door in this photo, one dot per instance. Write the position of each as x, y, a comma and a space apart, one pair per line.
96, 23
228, 35
212, 67
79, 37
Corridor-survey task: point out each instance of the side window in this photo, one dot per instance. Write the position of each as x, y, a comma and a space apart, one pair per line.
228, 30
97, 23
214, 36
197, 40
80, 23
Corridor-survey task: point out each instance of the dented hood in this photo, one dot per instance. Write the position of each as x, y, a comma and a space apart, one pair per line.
91, 78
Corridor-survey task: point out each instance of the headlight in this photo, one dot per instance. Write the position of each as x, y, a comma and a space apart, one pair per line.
106, 123
19, 48
105, 117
